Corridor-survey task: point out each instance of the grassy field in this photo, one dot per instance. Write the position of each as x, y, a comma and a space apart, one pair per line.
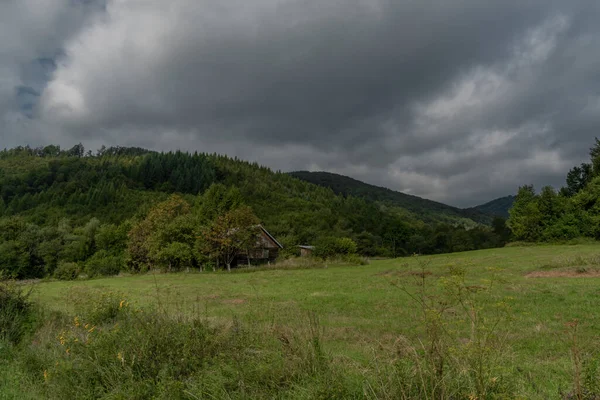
363, 310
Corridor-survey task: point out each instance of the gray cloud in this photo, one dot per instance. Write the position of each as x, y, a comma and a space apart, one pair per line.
457, 101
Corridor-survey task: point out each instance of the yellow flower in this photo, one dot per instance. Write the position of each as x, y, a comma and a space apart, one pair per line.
46, 376
121, 304
68, 351
120, 357
76, 321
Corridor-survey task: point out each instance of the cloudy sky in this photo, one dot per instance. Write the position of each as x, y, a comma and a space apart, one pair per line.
460, 101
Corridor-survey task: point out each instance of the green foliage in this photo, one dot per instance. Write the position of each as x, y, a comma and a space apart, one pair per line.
111, 237
332, 247
97, 307
577, 179
571, 213
103, 263
426, 210
148, 237
16, 312
218, 200
67, 271
64, 206
116, 351
175, 256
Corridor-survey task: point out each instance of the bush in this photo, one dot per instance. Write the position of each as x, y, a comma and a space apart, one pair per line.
67, 271
102, 263
332, 247
16, 312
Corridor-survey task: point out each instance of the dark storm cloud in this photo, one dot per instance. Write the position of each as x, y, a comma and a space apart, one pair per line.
459, 101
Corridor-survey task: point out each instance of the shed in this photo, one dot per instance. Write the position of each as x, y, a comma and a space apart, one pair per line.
306, 251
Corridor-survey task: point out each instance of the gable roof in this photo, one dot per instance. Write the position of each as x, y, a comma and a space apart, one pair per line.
270, 236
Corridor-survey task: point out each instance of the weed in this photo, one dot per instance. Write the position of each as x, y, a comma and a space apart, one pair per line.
16, 312
459, 355
67, 271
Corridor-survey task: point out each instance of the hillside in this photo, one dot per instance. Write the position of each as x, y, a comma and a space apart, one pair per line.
85, 211
498, 207
426, 210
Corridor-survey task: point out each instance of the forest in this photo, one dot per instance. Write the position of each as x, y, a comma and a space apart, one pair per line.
68, 212
569, 213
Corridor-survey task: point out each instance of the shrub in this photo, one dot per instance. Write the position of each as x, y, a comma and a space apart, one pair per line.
345, 246
67, 271
102, 263
332, 247
174, 256
16, 312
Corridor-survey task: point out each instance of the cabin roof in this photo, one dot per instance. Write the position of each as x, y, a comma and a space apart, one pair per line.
270, 236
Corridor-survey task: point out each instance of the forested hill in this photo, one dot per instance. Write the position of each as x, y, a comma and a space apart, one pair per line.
426, 210
119, 208
498, 207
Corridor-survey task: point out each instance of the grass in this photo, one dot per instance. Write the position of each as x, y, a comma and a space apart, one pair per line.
363, 313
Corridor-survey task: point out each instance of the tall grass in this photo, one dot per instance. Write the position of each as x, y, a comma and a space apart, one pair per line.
111, 349
108, 348
16, 312
461, 352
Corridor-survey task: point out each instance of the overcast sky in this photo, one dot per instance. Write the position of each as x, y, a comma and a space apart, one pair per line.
459, 101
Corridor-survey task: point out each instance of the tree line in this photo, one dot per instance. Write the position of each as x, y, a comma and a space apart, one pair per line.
571, 212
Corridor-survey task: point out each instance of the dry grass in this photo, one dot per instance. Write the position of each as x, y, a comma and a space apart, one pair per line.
565, 273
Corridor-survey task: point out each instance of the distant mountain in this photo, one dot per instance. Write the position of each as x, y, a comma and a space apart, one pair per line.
498, 207
423, 209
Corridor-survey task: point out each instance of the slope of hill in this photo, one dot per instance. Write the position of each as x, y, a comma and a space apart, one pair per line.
79, 210
498, 207
426, 210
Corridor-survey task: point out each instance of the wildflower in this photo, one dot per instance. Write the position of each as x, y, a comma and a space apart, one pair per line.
76, 321
121, 304
46, 376
68, 351
121, 358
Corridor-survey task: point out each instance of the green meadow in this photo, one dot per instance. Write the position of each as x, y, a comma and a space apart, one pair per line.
541, 303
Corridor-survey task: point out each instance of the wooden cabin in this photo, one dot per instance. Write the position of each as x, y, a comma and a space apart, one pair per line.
306, 251
266, 250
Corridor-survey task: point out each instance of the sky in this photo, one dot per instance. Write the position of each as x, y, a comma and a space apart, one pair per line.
457, 101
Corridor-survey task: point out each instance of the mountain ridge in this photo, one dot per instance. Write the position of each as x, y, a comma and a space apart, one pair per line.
422, 208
